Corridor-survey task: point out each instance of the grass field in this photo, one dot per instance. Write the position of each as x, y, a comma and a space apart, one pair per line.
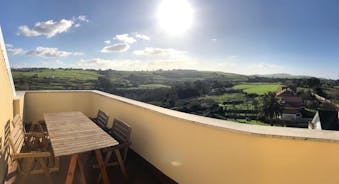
226, 97
59, 73
55, 79
258, 88
147, 86
252, 122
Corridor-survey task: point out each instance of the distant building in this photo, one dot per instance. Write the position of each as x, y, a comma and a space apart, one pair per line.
292, 104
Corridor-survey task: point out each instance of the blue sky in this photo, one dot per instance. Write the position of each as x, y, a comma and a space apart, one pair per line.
239, 36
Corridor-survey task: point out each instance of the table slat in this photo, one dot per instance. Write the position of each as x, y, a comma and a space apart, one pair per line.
73, 132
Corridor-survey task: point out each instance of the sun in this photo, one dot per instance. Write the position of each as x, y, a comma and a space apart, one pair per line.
175, 16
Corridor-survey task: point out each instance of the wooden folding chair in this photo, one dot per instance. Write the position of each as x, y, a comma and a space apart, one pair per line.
101, 120
31, 152
120, 131
8, 168
35, 126
3, 164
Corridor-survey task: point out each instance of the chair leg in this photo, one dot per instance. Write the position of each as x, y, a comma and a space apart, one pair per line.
121, 162
26, 168
125, 153
46, 170
108, 156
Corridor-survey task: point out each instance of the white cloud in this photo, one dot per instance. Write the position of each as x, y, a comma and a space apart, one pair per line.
48, 28
107, 41
58, 62
214, 39
8, 45
265, 68
142, 36
51, 28
50, 52
15, 51
234, 64
125, 38
82, 18
149, 51
120, 47
166, 64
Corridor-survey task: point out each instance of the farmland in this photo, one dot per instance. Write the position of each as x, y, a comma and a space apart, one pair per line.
259, 88
213, 94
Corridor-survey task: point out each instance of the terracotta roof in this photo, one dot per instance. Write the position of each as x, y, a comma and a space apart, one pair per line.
286, 91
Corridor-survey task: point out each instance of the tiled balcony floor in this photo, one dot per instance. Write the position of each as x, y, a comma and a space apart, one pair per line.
138, 172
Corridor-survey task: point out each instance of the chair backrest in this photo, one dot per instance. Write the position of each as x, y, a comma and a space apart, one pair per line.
16, 139
6, 149
102, 118
121, 131
17, 121
3, 164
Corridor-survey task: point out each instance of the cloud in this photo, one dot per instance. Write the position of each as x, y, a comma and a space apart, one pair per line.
82, 18
8, 45
50, 52
58, 62
265, 68
236, 64
131, 65
125, 38
51, 28
48, 28
107, 41
15, 51
213, 39
120, 47
149, 51
142, 37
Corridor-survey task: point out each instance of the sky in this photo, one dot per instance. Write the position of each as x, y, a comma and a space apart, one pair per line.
239, 36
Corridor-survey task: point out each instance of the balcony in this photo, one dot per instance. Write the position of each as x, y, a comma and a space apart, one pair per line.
170, 146
194, 149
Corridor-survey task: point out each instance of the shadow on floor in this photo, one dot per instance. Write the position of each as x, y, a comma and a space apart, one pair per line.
139, 172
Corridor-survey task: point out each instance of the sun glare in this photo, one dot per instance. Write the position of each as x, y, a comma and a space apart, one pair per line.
175, 16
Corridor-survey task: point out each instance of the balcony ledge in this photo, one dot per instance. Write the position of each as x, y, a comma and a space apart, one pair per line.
257, 130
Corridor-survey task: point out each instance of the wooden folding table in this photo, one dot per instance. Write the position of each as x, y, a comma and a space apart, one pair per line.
72, 133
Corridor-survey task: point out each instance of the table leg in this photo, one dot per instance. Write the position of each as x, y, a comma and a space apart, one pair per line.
71, 169
82, 172
102, 166
121, 162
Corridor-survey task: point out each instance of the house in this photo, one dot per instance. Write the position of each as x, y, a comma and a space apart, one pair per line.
292, 104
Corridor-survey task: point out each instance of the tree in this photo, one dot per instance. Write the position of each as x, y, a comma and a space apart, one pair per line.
270, 107
103, 84
313, 83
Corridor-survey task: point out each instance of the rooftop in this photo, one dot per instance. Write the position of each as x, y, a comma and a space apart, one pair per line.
180, 147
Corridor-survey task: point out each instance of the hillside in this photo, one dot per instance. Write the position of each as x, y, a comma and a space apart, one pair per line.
283, 76
43, 78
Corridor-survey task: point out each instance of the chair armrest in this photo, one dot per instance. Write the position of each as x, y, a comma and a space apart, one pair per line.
32, 155
119, 146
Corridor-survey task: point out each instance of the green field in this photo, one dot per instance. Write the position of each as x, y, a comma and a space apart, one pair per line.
258, 88
58, 73
146, 86
55, 79
226, 97
252, 122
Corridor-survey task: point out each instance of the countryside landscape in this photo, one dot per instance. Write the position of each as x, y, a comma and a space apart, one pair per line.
227, 96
